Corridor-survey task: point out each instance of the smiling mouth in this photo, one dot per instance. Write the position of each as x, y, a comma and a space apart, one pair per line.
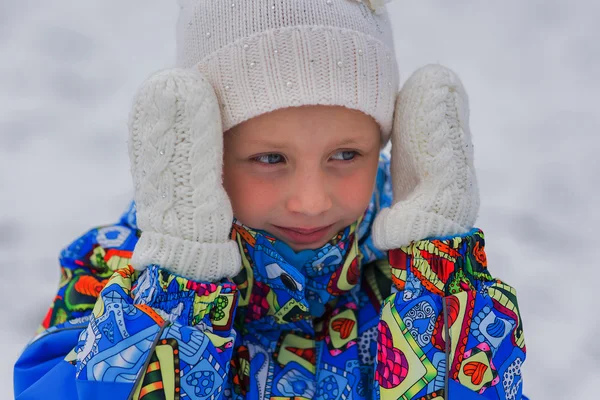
304, 235
305, 231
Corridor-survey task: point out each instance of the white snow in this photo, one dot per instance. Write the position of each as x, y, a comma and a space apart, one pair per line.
69, 70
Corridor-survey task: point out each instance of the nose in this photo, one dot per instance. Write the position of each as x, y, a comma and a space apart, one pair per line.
309, 194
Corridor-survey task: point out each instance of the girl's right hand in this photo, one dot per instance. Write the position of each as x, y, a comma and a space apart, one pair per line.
176, 154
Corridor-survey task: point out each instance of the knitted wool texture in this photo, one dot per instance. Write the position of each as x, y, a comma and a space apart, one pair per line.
176, 153
263, 55
433, 177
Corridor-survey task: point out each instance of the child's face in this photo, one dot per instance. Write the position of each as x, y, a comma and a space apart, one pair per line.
302, 174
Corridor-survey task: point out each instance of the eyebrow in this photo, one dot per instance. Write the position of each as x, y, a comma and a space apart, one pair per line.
352, 141
283, 146
267, 144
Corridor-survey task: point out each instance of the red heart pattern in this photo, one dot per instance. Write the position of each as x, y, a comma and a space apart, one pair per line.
343, 326
476, 371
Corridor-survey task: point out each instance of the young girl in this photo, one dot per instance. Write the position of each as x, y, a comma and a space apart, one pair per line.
325, 286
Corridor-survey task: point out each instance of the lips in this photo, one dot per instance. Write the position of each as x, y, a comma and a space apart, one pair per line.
304, 236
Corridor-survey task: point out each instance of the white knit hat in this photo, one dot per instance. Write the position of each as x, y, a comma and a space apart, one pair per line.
263, 55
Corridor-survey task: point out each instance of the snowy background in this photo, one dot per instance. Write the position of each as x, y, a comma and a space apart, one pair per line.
69, 70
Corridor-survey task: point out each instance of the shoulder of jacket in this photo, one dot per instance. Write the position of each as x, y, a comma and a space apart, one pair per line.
101, 246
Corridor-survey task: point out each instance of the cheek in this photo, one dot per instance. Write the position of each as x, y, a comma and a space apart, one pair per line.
354, 192
356, 199
252, 199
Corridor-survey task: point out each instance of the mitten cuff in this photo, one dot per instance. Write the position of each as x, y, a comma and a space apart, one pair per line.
207, 262
394, 228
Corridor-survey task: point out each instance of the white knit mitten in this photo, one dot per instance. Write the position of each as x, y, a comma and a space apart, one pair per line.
176, 153
433, 178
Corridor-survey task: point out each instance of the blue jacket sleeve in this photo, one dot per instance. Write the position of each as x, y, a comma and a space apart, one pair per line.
85, 267
112, 333
442, 288
449, 328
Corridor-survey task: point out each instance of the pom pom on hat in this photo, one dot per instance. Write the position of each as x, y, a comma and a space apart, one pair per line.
375, 5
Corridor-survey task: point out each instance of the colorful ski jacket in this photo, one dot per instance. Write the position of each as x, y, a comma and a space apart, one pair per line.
342, 322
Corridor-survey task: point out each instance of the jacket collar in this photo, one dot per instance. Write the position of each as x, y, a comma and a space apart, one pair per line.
273, 286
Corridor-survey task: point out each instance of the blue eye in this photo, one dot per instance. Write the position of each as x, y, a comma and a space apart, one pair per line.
345, 155
269, 159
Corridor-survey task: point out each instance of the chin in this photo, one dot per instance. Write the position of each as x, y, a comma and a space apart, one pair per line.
312, 241
298, 248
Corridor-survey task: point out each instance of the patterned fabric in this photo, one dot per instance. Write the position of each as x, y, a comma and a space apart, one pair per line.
305, 331
448, 320
144, 335
86, 266
301, 291
427, 321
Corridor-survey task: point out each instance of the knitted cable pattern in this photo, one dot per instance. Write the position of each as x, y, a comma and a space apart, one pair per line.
176, 153
433, 176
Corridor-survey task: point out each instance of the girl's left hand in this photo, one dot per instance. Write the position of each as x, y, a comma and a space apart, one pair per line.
433, 177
